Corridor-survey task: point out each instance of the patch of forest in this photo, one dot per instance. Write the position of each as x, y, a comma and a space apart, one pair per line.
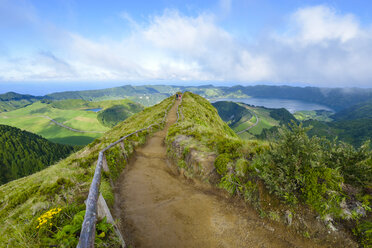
23, 153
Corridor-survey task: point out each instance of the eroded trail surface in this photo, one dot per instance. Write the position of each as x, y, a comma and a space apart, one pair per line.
158, 208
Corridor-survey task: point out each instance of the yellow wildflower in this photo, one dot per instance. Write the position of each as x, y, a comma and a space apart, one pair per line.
47, 216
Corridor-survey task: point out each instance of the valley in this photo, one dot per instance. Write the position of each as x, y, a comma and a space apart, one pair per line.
67, 121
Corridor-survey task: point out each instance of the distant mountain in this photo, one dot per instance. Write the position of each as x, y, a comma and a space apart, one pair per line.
336, 98
23, 153
145, 95
11, 101
148, 95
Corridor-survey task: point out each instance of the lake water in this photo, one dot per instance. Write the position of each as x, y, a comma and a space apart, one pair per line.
291, 105
94, 110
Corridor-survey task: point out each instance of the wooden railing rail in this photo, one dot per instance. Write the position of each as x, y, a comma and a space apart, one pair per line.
88, 230
179, 110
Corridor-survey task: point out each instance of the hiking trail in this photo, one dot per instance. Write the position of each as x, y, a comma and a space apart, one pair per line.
157, 207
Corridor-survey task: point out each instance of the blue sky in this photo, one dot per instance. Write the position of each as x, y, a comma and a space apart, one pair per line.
321, 43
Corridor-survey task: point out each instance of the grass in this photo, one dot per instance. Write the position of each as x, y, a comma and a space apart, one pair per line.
313, 115
245, 124
64, 185
71, 113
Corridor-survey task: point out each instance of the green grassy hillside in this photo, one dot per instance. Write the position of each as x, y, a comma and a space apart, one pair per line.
23, 153
319, 115
57, 193
11, 101
71, 113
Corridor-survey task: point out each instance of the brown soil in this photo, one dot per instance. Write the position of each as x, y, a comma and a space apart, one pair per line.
158, 208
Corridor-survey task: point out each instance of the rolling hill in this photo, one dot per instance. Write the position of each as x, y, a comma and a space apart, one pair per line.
11, 101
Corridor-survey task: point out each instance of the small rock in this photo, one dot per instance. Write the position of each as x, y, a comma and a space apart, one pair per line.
359, 209
331, 227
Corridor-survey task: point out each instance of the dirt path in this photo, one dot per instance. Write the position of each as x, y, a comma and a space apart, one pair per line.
158, 208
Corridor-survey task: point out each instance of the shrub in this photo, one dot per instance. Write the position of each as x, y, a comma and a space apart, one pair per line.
221, 163
294, 169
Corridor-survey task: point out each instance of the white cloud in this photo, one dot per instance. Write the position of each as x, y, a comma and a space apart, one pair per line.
323, 48
319, 47
321, 23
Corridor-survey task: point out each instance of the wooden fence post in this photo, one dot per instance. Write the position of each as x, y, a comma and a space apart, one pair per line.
102, 212
104, 164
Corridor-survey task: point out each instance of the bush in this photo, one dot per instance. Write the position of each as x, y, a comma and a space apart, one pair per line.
295, 169
221, 163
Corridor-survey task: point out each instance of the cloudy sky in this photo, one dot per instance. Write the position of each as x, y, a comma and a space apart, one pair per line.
295, 42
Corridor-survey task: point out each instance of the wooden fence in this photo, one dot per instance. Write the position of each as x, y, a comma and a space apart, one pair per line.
96, 206
179, 110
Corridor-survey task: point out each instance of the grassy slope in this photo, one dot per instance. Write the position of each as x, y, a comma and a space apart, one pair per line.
237, 163
11, 101
201, 120
69, 112
64, 184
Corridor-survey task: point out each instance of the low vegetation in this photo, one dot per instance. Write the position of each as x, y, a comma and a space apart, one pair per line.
47, 208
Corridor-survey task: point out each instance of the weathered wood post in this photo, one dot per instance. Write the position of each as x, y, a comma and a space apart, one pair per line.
102, 212
122, 145
88, 229
104, 164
